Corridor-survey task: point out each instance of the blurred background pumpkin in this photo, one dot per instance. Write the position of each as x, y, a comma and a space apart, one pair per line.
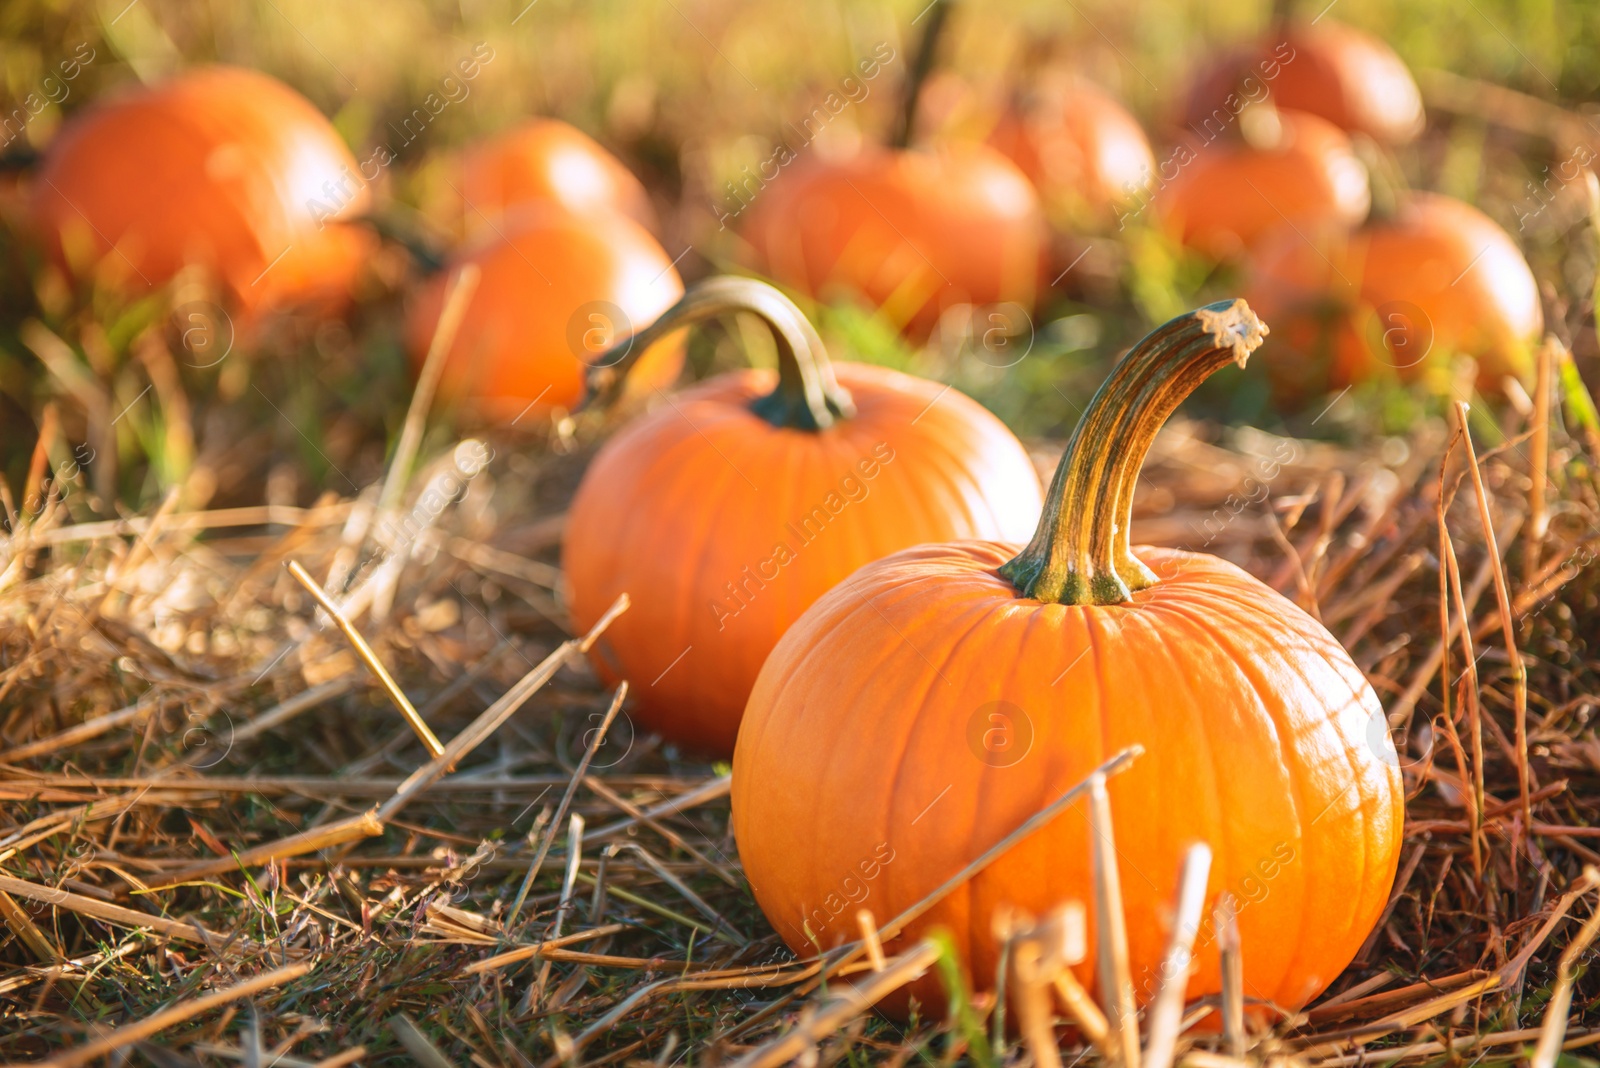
546, 161
1322, 67
1399, 295
725, 513
556, 289
1081, 148
1271, 167
223, 167
910, 233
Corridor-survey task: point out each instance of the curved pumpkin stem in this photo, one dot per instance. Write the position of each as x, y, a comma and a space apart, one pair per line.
1080, 554
807, 397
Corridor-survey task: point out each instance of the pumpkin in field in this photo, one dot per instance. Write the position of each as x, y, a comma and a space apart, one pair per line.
1079, 146
555, 290
911, 232
1350, 78
223, 167
1434, 279
546, 161
938, 698
733, 506
1279, 166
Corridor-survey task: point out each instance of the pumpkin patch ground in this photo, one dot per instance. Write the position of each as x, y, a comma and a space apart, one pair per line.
725, 533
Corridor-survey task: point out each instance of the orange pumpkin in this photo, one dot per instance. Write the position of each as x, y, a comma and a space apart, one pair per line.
937, 699
1226, 194
556, 290
911, 232
223, 167
547, 161
1350, 78
1437, 278
728, 510
1079, 146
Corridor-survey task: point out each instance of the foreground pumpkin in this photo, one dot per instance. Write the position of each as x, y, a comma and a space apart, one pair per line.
910, 232
1325, 68
729, 509
1278, 166
938, 698
555, 290
547, 161
1435, 278
1079, 146
223, 167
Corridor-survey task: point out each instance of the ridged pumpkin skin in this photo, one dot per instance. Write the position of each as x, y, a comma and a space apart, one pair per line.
940, 698
1329, 69
910, 232
1083, 151
1228, 195
539, 305
223, 167
547, 161
1335, 300
857, 782
686, 509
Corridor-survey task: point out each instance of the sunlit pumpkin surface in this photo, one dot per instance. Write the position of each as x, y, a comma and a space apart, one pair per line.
1080, 147
1227, 195
223, 167
936, 700
922, 710
723, 528
546, 161
911, 233
556, 290
1351, 78
1398, 296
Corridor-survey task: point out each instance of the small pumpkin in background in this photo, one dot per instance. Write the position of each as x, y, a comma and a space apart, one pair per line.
1431, 279
1273, 166
1083, 151
544, 162
938, 698
912, 232
1324, 68
223, 167
727, 510
555, 290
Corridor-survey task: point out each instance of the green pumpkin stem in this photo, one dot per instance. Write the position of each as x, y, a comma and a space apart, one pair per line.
1080, 553
807, 397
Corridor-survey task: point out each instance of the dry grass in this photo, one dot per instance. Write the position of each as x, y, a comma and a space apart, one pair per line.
224, 842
